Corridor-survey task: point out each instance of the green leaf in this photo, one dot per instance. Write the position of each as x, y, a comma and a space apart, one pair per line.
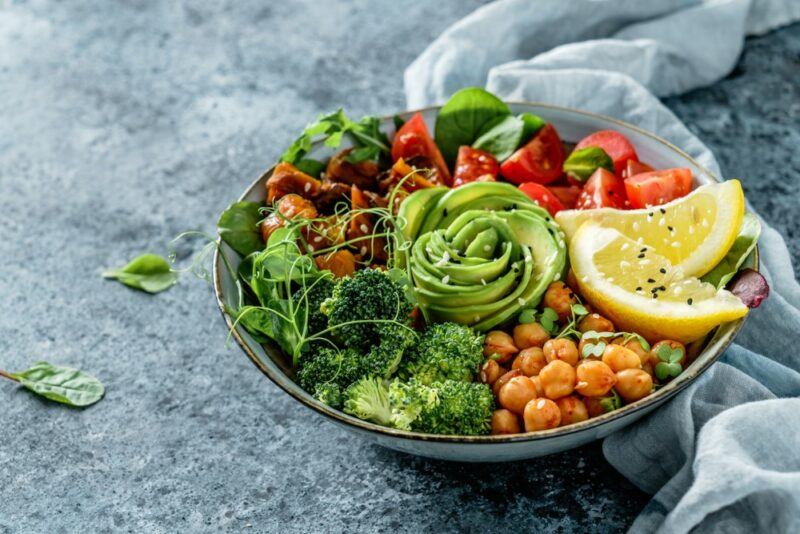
548, 319
744, 244
148, 272
398, 122
310, 166
527, 316
61, 384
592, 334
583, 162
675, 369
666, 370
611, 403
462, 119
363, 153
593, 349
501, 136
667, 354
579, 309
238, 227
331, 128
633, 335
532, 124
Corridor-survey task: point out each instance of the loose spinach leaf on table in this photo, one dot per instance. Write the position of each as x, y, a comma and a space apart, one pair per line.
744, 244
463, 118
582, 163
148, 272
238, 227
60, 384
503, 135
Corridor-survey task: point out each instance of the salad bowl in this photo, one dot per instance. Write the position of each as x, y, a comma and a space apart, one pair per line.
573, 125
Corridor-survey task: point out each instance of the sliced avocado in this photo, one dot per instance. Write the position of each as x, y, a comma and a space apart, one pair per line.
413, 210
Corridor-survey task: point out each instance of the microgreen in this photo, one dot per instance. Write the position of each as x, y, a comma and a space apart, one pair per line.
627, 336
526, 316
549, 320
612, 402
149, 272
594, 342
577, 312
60, 384
669, 366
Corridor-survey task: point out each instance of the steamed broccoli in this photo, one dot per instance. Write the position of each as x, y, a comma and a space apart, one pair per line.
309, 301
368, 295
446, 351
449, 407
383, 359
368, 399
329, 393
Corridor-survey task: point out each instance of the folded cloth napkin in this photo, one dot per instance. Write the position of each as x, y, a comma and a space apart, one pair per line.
724, 455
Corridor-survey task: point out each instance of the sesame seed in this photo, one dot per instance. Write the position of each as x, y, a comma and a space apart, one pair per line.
557, 276
317, 239
639, 288
678, 290
364, 250
643, 250
662, 270
487, 248
483, 281
364, 228
689, 301
663, 211
446, 279
640, 240
691, 229
624, 246
595, 316
581, 384
650, 215
671, 229
675, 244
640, 256
540, 404
624, 264
585, 279
662, 222
307, 187
444, 212
521, 301
636, 226
477, 318
704, 222
644, 262
651, 281
655, 295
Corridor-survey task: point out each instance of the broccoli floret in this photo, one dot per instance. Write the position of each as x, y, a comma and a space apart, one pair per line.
446, 351
449, 407
369, 295
383, 359
309, 301
368, 399
330, 394
329, 366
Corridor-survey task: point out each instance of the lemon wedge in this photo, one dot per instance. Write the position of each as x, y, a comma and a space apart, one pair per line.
693, 232
641, 291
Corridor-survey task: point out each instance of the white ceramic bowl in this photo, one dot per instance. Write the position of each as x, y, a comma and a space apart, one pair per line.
572, 125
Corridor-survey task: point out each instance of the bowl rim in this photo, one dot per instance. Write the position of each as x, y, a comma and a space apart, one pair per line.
663, 394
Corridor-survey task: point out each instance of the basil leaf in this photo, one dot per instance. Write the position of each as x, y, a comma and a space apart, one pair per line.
398, 122
363, 153
332, 128
501, 137
531, 125
310, 166
584, 161
148, 272
61, 384
238, 227
462, 119
744, 244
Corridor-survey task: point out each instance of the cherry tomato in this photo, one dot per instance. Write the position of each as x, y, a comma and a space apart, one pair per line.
543, 197
539, 161
413, 140
635, 167
658, 187
602, 190
473, 164
614, 144
567, 194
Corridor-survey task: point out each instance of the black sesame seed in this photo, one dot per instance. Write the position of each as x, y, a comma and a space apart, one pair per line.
651, 281
444, 212
689, 302
661, 288
671, 229
640, 256
663, 211
662, 270
639, 288
650, 214
655, 295
643, 249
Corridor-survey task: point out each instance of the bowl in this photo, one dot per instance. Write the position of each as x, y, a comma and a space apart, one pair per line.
572, 125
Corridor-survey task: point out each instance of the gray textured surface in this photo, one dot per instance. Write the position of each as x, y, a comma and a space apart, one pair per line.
123, 124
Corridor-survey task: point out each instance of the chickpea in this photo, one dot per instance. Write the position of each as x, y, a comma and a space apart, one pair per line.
633, 384
558, 379
618, 358
504, 378
538, 383
490, 372
499, 346
516, 393
595, 379
530, 361
541, 414
596, 322
672, 345
560, 298
573, 410
561, 349
572, 281
593, 406
505, 422
530, 335
635, 345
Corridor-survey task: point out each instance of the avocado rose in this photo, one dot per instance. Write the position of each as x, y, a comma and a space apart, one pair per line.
479, 253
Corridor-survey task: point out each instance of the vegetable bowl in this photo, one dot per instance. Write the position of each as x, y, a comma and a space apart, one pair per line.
531, 275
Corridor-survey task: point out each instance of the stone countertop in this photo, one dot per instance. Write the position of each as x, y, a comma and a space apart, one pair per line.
123, 124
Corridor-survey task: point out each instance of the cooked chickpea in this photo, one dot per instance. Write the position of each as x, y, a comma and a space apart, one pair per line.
593, 406
505, 422
573, 410
504, 378
558, 379
635, 345
595, 379
541, 414
560, 298
561, 349
499, 346
596, 322
672, 345
515, 394
530, 361
530, 335
490, 372
618, 358
633, 384
538, 383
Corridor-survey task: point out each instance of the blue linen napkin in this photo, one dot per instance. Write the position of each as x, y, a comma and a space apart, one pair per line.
724, 455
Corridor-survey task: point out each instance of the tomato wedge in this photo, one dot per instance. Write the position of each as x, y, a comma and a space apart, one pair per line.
413, 140
602, 190
614, 144
538, 161
567, 194
635, 167
473, 164
658, 187
542, 196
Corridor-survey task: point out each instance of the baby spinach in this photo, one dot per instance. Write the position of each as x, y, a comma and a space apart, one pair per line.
584, 161
148, 272
531, 125
744, 244
462, 119
502, 135
60, 384
310, 166
238, 227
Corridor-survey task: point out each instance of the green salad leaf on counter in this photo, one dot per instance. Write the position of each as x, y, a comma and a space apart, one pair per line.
60, 384
149, 272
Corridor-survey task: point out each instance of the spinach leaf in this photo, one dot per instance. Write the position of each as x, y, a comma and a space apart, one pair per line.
148, 272
310, 166
744, 244
462, 119
60, 384
584, 161
238, 227
502, 135
332, 128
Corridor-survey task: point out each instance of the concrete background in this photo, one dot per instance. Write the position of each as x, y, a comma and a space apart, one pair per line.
123, 124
